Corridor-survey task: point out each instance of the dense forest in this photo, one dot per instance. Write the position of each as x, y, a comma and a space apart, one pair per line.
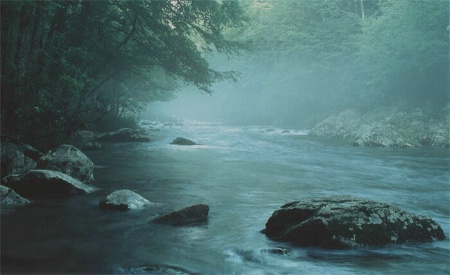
67, 65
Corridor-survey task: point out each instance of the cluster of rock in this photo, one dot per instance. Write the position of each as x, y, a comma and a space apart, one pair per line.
123, 200
387, 128
94, 142
63, 172
66, 171
45, 184
346, 222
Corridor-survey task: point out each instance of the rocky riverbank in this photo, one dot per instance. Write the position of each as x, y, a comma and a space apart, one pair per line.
388, 128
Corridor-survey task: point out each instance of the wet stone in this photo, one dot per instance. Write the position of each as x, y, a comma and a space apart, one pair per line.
123, 200
348, 222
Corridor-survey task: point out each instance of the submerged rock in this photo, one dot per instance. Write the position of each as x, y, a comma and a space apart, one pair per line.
183, 141
9, 197
123, 200
68, 160
45, 184
123, 135
197, 213
347, 222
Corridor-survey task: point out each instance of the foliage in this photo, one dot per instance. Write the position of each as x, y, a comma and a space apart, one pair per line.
66, 63
314, 58
405, 50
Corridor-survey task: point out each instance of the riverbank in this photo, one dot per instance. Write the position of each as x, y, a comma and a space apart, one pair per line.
388, 128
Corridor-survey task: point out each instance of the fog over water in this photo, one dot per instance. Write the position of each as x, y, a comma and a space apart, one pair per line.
268, 91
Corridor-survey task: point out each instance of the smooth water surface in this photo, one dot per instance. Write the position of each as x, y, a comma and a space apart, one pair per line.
243, 174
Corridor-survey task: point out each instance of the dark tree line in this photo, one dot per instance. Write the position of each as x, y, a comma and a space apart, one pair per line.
65, 64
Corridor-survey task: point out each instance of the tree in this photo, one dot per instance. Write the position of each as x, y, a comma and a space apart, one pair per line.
314, 58
404, 51
58, 56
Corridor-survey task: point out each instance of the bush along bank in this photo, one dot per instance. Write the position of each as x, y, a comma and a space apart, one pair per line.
388, 128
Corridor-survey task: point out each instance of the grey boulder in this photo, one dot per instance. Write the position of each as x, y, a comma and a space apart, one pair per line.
123, 200
190, 215
9, 197
69, 160
45, 184
183, 141
346, 222
18, 159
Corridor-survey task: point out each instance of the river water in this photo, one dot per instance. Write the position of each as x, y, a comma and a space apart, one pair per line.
243, 174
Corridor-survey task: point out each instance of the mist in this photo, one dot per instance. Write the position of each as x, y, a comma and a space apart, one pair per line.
268, 92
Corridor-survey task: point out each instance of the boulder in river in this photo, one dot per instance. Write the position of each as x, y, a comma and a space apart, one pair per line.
123, 135
45, 184
346, 222
183, 141
18, 159
194, 214
9, 197
123, 200
69, 160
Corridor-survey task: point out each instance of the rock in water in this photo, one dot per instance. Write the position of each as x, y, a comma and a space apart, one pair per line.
197, 213
347, 222
18, 159
45, 184
183, 141
68, 160
123, 200
9, 197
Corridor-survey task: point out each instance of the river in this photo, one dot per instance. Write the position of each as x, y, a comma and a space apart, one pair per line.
243, 174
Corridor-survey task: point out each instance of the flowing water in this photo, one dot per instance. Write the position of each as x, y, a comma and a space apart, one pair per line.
243, 174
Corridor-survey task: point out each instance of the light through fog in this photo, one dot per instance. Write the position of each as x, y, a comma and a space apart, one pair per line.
267, 93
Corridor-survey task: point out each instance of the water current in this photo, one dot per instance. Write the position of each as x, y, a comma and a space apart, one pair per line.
243, 174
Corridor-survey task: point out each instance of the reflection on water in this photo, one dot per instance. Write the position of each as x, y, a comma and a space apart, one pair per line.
243, 174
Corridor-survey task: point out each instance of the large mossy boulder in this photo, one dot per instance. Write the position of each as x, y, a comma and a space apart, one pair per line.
123, 200
18, 159
183, 141
346, 222
69, 160
45, 184
123, 135
9, 197
190, 215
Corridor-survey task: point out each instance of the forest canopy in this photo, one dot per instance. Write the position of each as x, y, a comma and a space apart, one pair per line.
68, 63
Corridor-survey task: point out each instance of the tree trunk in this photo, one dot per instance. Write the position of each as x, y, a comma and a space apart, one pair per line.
361, 2
23, 24
58, 20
